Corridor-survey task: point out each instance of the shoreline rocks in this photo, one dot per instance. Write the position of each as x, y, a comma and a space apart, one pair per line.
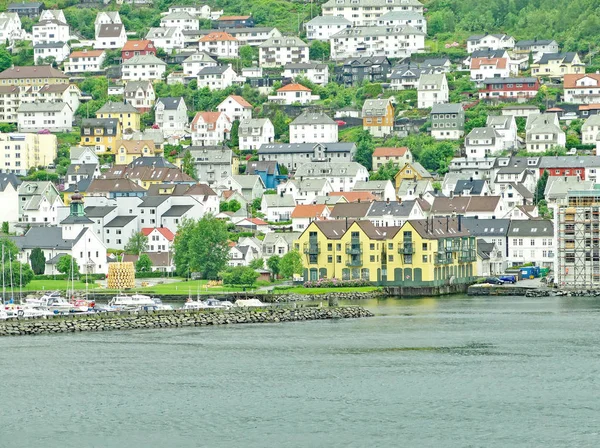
172, 319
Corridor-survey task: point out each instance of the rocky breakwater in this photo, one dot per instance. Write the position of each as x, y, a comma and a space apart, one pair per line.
171, 319
316, 297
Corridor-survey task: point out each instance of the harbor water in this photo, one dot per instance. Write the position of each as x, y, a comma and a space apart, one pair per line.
448, 372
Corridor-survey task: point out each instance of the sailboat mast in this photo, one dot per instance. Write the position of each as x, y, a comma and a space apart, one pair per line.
3, 282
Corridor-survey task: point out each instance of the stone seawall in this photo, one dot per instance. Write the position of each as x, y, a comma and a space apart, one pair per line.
171, 319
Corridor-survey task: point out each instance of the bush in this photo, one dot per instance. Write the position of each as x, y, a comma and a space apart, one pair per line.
156, 274
336, 283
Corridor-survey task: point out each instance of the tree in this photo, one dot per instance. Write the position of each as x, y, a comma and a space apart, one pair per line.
319, 51
9, 248
364, 149
144, 264
386, 172
188, 166
137, 244
257, 263
239, 276
5, 227
230, 206
16, 274
68, 265
201, 246
38, 261
235, 134
273, 265
540, 188
5, 59
290, 264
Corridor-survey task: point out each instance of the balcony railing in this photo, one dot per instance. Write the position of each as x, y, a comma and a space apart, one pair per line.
443, 258
406, 247
312, 248
354, 248
354, 262
467, 256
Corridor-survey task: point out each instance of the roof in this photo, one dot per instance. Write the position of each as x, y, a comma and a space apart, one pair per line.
207, 117
350, 210
86, 54
435, 79
135, 146
114, 107
240, 100
474, 186
99, 211
486, 227
570, 81
120, 221
46, 106
528, 43
295, 148
329, 20
570, 162
374, 31
313, 118
9, 178
133, 45
531, 228
333, 230
217, 36
483, 133
276, 200
50, 45
132, 86
149, 161
162, 230
353, 196
375, 108
476, 63
216, 70
434, 228
113, 185
489, 81
170, 102
178, 15
100, 122
46, 238
563, 57
329, 169
447, 108
144, 59
284, 41
392, 208
308, 211
247, 125
464, 204
36, 71
111, 30
390, 152
86, 169
227, 18
294, 87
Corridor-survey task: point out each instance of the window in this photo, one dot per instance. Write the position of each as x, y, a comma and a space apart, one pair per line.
329, 247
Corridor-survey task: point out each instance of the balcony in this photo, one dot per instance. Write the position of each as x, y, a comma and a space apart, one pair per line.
354, 248
406, 247
312, 248
354, 261
467, 256
443, 258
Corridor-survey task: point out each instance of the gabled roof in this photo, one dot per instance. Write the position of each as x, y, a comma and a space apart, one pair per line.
390, 152
308, 211
391, 208
99, 211
170, 102
86, 54
238, 99
474, 186
486, 227
111, 30
120, 221
114, 107
276, 200
144, 59
570, 81
313, 118
114, 185
36, 71
136, 146
9, 178
162, 230
435, 228
294, 87
136, 45
217, 36
229, 18
350, 210
476, 63
353, 196
460, 205
531, 228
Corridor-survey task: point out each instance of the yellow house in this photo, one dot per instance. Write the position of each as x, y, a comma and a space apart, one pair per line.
557, 65
128, 116
129, 150
421, 253
411, 171
102, 134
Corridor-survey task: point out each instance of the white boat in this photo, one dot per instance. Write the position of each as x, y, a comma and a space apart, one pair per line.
194, 305
53, 302
248, 303
161, 306
217, 304
14, 311
43, 300
135, 301
3, 315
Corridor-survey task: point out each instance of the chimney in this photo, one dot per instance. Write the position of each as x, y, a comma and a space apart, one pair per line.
447, 224
387, 202
471, 179
426, 225
358, 200
346, 223
459, 223
281, 193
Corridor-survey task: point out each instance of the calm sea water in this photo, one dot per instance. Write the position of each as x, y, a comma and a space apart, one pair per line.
460, 372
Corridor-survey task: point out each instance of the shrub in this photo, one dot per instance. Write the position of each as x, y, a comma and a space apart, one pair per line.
336, 283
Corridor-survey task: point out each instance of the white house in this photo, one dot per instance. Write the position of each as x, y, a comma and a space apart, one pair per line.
482, 142
486, 68
217, 78
313, 127
432, 89
543, 132
490, 42
58, 51
221, 44
531, 240
277, 207
39, 203
182, 20
195, 62
10, 27
85, 61
106, 18
305, 191
9, 196
403, 18
143, 68
118, 231
323, 27
506, 126
210, 128
236, 108
368, 13
50, 31
160, 239
341, 176
278, 51
293, 93
167, 39
110, 37
394, 213
582, 89
392, 42
590, 130
314, 72
170, 115
37, 116
140, 94
255, 132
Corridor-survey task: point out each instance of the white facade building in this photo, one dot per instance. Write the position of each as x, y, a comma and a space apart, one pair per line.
58, 51
432, 89
167, 39
313, 128
392, 42
110, 37
314, 72
236, 108
171, 116
182, 20
221, 44
368, 13
483, 142
50, 31
279, 51
294, 93
85, 61
323, 27
217, 78
143, 68
255, 132
210, 128
54, 117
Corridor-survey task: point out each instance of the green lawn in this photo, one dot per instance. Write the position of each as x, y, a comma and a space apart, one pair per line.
52, 285
302, 290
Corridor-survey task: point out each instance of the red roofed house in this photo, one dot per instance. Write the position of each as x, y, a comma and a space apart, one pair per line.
398, 156
354, 196
582, 88
236, 108
210, 129
234, 22
303, 215
137, 48
253, 224
294, 93
85, 61
160, 239
484, 68
220, 43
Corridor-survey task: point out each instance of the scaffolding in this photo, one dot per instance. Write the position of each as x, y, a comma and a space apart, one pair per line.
578, 252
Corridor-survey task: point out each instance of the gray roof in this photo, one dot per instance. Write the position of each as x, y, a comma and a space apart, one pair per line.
272, 237
484, 249
132, 86
372, 185
9, 178
152, 161
170, 102
284, 41
417, 187
211, 154
499, 121
50, 45
266, 165
275, 200
310, 118
486, 133
246, 126
45, 238
73, 219
99, 211
181, 15
161, 32
563, 57
177, 210
87, 169
570, 162
435, 79
144, 59
113, 107
375, 108
380, 3
531, 228
304, 66
110, 30
295, 148
329, 20
529, 43
448, 108
153, 201
247, 181
216, 70
47, 106
367, 60
560, 186
323, 169
486, 227
120, 221
392, 208
509, 80
475, 186
310, 184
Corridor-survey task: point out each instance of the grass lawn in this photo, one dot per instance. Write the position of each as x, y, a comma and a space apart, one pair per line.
191, 287
302, 290
52, 285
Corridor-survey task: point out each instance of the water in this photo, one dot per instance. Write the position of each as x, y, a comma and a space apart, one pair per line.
460, 372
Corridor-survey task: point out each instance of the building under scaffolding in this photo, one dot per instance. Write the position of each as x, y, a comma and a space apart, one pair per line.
578, 234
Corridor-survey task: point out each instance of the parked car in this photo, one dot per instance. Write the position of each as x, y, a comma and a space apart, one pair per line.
508, 278
493, 281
